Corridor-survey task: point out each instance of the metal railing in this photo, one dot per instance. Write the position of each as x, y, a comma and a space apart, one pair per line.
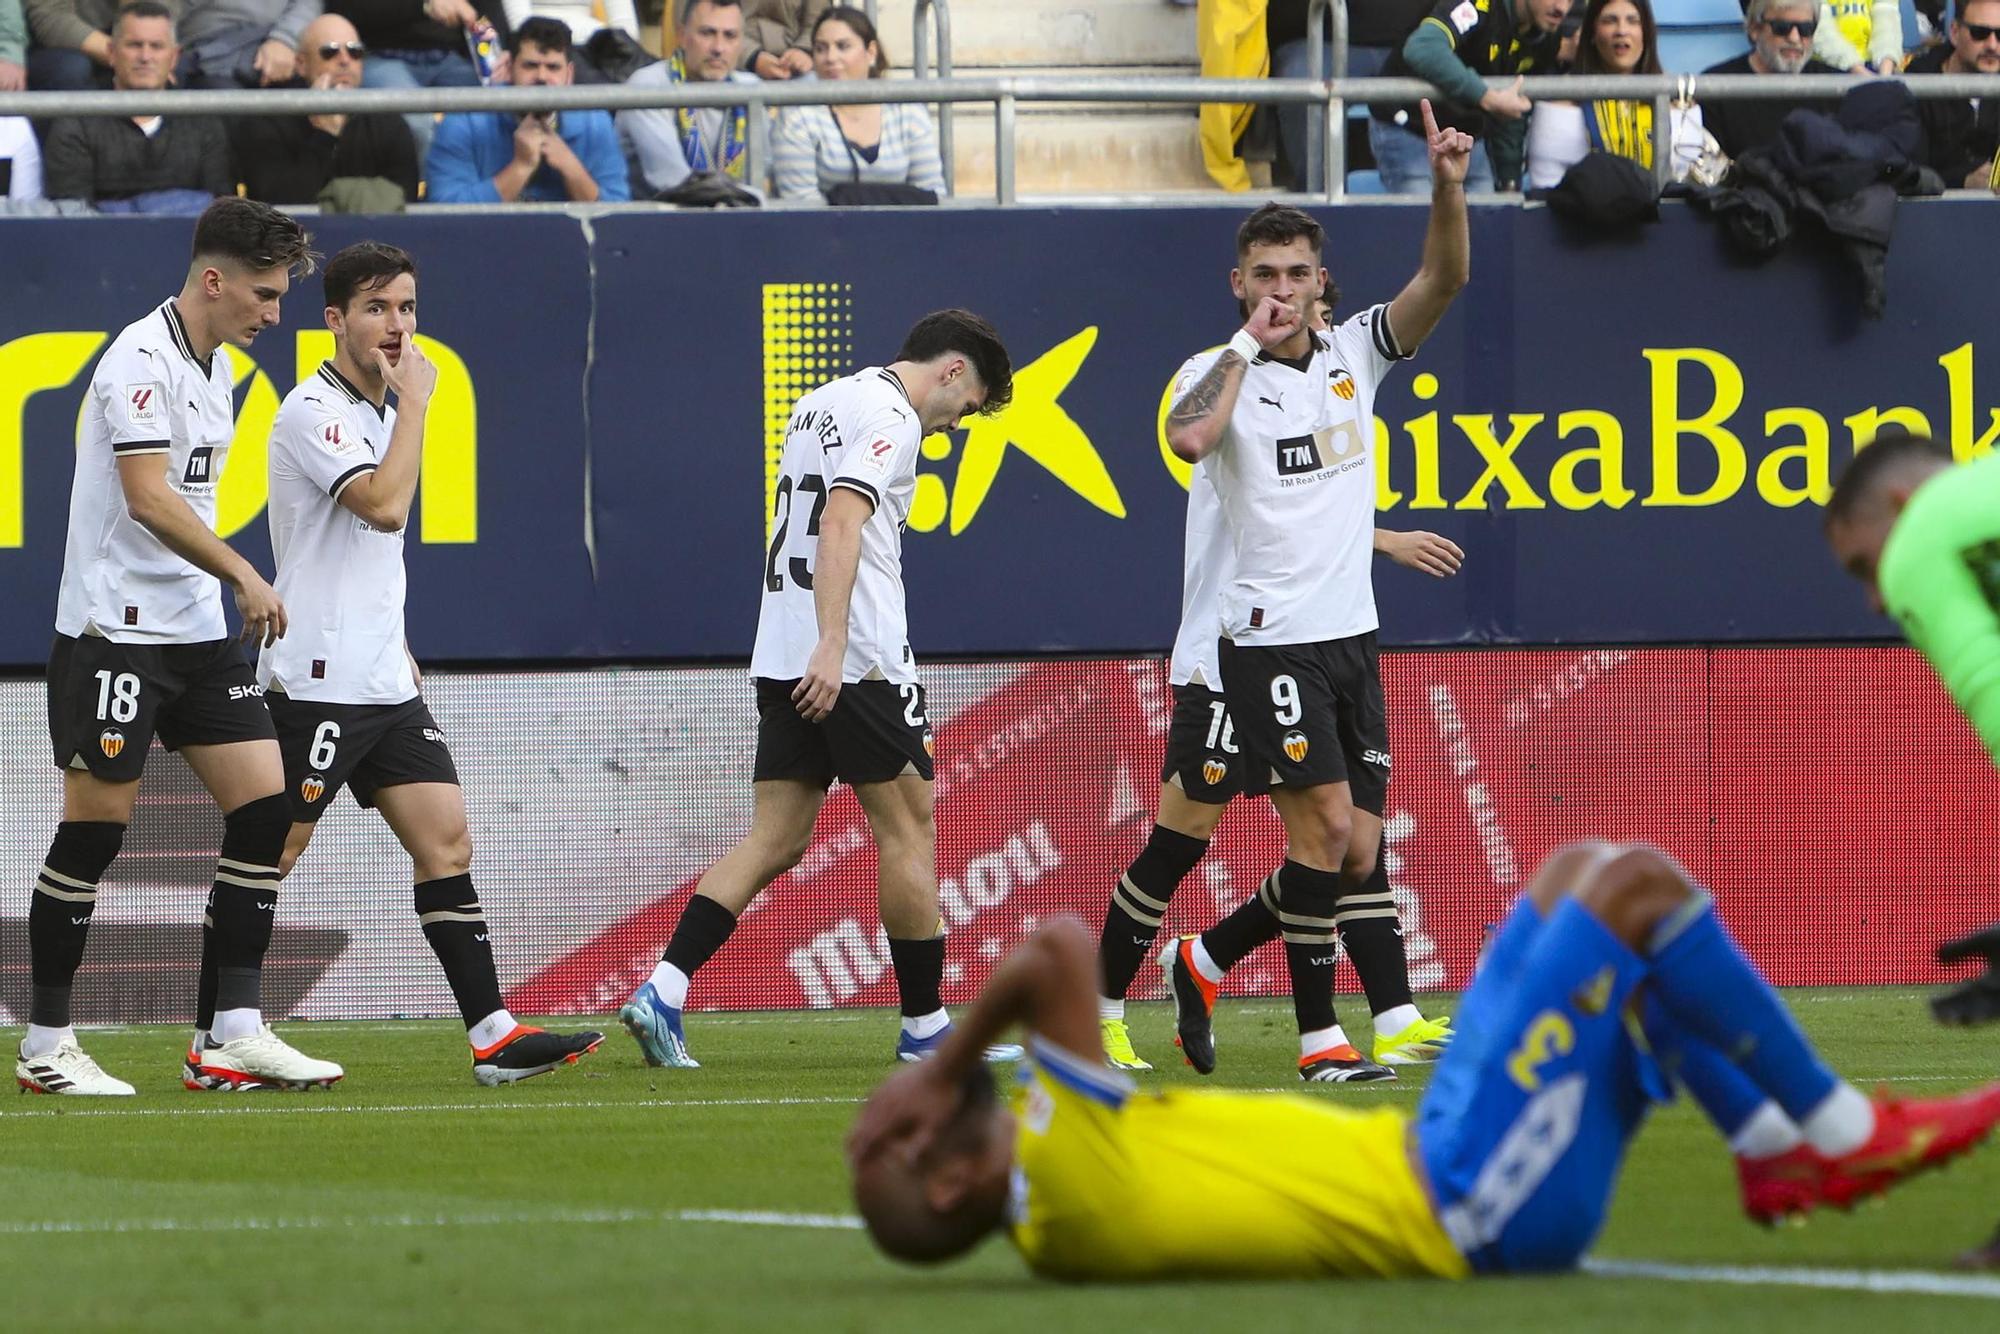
1326, 140
920, 61
1005, 93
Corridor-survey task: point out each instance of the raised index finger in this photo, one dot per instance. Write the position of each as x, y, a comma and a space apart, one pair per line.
1430, 121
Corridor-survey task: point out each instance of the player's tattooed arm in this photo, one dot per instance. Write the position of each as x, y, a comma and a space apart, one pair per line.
1198, 418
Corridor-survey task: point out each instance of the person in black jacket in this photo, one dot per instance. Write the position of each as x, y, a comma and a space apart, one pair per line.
1457, 47
1961, 135
289, 159
1781, 35
419, 44
138, 163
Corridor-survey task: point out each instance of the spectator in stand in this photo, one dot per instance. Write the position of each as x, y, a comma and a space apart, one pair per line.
1456, 47
71, 48
1619, 37
419, 44
491, 157
1962, 135
290, 159
138, 164
1860, 36
777, 37
20, 162
1781, 36
1374, 29
818, 148
241, 43
13, 47
669, 144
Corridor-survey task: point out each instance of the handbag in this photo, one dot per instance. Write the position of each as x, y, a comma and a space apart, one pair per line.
860, 193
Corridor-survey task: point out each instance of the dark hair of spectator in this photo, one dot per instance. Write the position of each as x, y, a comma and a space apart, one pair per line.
946, 331
1587, 59
1892, 450
1277, 224
543, 33
254, 235
858, 23
687, 7
365, 266
143, 9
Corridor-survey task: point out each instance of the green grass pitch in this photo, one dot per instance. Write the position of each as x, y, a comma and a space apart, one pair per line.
611, 1197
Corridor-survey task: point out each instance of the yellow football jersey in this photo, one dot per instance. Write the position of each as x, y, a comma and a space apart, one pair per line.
1109, 1184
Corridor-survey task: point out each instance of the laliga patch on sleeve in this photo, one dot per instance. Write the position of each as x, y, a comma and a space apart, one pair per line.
336, 439
142, 404
1466, 17
875, 455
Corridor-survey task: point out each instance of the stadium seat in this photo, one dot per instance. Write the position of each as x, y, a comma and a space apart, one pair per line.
1698, 14
1691, 52
1365, 183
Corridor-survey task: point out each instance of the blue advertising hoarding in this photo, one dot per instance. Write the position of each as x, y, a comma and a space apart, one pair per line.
1629, 435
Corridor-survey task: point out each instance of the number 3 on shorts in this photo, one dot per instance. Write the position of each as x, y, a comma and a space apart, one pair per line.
1285, 696
1550, 1036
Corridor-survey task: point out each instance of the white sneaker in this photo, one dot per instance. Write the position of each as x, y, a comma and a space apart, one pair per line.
261, 1061
66, 1070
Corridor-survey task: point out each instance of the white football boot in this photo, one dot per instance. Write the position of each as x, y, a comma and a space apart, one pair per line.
261, 1061
66, 1070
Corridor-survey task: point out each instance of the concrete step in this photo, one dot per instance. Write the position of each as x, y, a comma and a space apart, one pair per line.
1098, 151
1071, 34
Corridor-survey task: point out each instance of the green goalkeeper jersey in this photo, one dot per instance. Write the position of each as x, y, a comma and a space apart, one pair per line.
1940, 578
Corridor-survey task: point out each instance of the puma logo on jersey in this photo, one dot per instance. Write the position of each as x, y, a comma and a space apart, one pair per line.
1278, 402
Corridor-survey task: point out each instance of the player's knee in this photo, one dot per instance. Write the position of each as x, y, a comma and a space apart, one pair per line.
448, 854
256, 832
1563, 870
84, 849
1632, 889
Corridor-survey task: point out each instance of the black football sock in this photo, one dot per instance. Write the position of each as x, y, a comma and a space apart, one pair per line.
1139, 903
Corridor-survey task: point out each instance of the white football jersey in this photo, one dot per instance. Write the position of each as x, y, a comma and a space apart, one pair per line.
150, 394
860, 433
1206, 563
1295, 474
341, 579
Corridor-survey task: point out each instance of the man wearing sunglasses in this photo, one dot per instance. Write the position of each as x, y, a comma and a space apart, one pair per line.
290, 159
1962, 135
1781, 37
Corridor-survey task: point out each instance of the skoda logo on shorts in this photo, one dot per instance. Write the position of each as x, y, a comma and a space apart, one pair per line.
1295, 747
312, 787
111, 742
1214, 769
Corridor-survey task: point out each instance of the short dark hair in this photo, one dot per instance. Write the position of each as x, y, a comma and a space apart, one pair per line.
254, 235
551, 35
946, 331
1892, 450
865, 30
144, 9
686, 7
1276, 224
364, 267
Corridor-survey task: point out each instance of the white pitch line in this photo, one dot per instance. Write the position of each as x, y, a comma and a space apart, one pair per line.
322, 1108
373, 1222
1904, 1281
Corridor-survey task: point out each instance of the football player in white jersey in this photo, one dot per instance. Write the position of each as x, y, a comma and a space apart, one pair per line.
1203, 769
837, 689
1282, 420
344, 468
142, 650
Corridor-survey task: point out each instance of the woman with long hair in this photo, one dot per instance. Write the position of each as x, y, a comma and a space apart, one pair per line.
1619, 37
821, 147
